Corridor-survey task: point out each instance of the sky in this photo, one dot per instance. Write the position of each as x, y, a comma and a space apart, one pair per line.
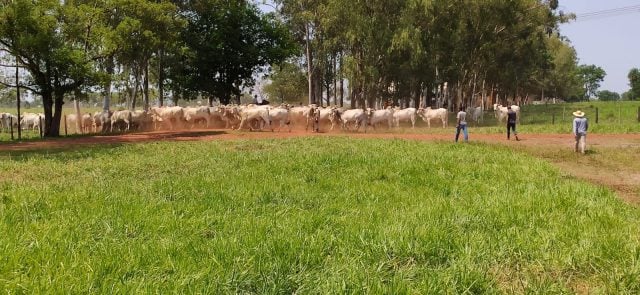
610, 41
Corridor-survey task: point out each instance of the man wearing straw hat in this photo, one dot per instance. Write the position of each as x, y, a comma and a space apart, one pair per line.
580, 127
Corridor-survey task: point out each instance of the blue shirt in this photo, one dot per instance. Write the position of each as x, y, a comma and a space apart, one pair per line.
580, 126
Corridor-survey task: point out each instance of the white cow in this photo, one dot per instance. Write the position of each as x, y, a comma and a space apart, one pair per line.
230, 115
476, 114
429, 113
408, 114
215, 117
6, 119
381, 116
85, 122
254, 113
191, 115
171, 116
141, 119
101, 120
31, 121
280, 114
119, 117
299, 114
359, 117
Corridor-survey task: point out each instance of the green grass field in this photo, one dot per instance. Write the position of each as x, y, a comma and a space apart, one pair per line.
315, 215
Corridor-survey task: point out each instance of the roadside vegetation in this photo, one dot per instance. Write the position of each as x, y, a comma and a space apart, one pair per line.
308, 215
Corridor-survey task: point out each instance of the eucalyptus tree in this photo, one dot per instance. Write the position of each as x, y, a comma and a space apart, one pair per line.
143, 32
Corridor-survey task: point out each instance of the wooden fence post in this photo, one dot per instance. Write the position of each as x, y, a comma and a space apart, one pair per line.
11, 126
638, 114
40, 125
553, 118
65, 125
596, 115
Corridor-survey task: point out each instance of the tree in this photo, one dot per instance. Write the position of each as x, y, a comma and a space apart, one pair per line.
226, 42
55, 42
563, 80
634, 83
606, 95
288, 84
591, 76
142, 34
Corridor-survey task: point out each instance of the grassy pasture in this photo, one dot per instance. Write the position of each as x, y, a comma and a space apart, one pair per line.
315, 215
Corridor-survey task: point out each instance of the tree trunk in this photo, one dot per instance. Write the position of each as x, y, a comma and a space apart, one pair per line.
310, 79
145, 86
161, 80
335, 80
52, 120
341, 83
47, 103
106, 102
76, 107
134, 95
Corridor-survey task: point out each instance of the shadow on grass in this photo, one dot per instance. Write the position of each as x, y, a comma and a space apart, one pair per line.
80, 143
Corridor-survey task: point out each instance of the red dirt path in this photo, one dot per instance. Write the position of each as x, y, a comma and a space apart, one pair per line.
608, 140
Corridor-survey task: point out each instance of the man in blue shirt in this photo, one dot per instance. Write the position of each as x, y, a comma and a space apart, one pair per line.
580, 127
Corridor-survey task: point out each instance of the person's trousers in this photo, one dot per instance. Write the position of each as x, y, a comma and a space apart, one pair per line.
509, 127
581, 143
464, 130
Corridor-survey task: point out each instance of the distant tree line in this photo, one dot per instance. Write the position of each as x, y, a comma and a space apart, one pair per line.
436, 52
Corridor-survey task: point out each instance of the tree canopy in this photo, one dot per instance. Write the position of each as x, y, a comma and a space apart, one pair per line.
201, 47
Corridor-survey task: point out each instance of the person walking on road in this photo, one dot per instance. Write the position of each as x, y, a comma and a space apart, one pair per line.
462, 124
580, 127
512, 117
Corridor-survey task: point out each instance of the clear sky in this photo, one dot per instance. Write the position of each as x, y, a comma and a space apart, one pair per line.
610, 41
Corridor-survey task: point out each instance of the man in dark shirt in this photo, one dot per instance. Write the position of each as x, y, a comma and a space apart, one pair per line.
512, 117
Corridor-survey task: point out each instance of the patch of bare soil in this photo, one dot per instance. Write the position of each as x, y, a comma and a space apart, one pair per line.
625, 182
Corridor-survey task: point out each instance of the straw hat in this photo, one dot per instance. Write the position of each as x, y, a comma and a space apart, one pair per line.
578, 114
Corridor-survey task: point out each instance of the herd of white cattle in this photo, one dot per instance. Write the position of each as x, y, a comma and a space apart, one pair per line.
251, 117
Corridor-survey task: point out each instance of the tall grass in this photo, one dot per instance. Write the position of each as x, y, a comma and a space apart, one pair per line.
320, 215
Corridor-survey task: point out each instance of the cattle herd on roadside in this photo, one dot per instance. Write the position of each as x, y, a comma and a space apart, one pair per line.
247, 117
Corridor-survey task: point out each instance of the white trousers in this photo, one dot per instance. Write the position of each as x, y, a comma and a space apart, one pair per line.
581, 143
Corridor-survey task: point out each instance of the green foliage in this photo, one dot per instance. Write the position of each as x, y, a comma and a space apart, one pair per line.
410, 222
226, 42
634, 83
592, 76
56, 43
606, 95
288, 84
563, 80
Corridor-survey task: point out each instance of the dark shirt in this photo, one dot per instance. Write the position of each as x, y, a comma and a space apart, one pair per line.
511, 117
